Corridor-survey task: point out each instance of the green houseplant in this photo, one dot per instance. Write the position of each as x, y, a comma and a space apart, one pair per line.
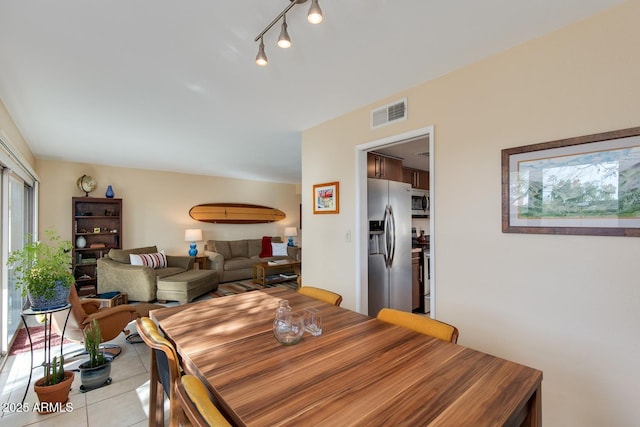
43, 271
94, 372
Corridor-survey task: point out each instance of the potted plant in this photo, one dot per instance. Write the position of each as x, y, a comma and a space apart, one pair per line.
94, 373
43, 271
53, 389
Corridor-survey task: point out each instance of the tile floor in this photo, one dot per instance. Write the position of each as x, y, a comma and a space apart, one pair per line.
125, 402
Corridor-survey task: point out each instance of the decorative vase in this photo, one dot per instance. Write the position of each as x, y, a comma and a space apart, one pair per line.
109, 194
60, 299
81, 242
95, 377
55, 395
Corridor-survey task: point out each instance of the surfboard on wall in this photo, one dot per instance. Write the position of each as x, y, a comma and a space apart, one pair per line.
235, 213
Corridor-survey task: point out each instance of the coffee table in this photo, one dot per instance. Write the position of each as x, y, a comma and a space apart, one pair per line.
267, 273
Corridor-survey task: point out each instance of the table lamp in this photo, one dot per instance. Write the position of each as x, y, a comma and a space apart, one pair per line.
193, 235
290, 232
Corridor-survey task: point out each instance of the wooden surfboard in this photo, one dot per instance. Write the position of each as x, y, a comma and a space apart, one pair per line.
235, 213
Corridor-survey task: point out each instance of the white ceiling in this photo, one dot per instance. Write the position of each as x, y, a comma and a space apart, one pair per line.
172, 85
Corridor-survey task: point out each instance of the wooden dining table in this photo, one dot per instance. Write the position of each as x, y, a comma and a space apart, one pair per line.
360, 371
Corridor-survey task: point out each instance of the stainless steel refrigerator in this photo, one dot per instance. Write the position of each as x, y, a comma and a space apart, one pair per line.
389, 214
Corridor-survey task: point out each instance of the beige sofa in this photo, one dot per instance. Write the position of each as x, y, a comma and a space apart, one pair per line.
234, 259
115, 273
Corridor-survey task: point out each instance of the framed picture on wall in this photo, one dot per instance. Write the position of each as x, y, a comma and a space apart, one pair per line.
587, 185
326, 198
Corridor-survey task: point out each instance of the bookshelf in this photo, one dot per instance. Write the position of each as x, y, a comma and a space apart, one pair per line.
96, 228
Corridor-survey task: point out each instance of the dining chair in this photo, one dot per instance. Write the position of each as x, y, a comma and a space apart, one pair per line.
164, 371
321, 294
418, 323
197, 404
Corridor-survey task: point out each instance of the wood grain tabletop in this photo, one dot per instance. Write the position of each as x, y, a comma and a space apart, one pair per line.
360, 371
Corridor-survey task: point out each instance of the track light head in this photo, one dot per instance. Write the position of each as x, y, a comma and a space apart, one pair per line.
315, 13
283, 40
261, 58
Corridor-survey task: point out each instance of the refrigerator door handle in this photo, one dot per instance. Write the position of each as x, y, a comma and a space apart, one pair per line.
385, 222
391, 240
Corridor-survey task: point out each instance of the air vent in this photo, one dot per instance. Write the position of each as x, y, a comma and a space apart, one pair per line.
389, 113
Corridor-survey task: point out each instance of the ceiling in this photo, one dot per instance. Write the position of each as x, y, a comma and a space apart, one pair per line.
172, 85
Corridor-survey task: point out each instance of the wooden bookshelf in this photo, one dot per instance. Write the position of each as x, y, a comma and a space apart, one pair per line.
99, 222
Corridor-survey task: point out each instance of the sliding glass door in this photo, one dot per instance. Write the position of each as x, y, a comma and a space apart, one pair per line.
17, 209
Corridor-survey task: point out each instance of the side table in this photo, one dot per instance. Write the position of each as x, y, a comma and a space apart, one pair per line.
47, 336
109, 299
202, 261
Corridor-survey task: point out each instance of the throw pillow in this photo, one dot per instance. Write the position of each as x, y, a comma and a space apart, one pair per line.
279, 249
155, 260
266, 247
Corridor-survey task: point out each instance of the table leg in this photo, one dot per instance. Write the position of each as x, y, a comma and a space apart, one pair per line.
31, 352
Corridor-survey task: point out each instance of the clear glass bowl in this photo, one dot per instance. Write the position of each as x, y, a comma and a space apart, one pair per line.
290, 330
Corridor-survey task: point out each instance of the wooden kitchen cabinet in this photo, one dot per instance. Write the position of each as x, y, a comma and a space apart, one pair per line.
383, 167
416, 177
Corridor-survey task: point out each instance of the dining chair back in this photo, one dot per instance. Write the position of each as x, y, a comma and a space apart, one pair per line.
321, 294
164, 371
418, 323
197, 404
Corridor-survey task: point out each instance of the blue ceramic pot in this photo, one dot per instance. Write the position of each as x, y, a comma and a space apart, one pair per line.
94, 377
40, 303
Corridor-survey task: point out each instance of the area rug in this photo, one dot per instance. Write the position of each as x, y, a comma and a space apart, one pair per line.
231, 288
21, 343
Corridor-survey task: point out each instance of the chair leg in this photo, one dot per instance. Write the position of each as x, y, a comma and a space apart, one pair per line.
112, 350
159, 405
156, 395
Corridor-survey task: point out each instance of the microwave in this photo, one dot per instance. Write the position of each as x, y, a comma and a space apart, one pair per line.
419, 203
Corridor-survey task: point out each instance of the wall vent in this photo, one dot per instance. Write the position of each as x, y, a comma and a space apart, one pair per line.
389, 113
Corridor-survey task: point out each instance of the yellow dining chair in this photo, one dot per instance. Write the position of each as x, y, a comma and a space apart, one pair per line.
321, 294
418, 323
164, 371
197, 404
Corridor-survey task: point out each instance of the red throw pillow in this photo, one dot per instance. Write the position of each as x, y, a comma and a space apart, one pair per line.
266, 247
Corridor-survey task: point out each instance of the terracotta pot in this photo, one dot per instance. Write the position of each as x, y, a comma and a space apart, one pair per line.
54, 394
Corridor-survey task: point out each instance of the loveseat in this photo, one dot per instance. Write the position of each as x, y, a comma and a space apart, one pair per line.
234, 259
140, 282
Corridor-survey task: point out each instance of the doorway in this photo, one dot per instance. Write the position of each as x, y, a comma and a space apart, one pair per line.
362, 284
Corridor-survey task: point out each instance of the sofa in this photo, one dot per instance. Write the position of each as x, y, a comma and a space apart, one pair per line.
172, 277
234, 259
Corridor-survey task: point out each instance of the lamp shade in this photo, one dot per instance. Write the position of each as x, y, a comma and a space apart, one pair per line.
193, 235
290, 231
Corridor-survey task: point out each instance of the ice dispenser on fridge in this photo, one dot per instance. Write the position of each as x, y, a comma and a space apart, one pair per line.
376, 229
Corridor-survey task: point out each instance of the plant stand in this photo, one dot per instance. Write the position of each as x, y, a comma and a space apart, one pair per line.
47, 336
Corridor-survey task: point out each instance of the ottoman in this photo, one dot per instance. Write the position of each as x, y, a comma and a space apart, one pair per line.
184, 287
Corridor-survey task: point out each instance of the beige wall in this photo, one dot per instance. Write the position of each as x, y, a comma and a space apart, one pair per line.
568, 305
12, 136
156, 204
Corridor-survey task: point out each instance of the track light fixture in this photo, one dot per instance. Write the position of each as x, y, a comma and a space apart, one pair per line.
284, 41
261, 58
315, 13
